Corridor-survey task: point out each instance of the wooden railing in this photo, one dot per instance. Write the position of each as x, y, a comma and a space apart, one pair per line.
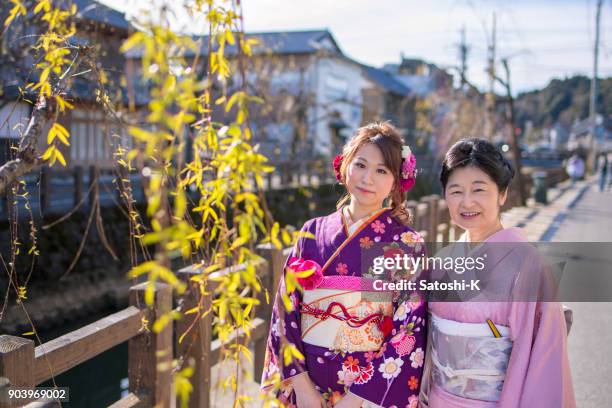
57, 191
149, 383
26, 366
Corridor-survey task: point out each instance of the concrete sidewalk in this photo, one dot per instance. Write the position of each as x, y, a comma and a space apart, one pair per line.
583, 214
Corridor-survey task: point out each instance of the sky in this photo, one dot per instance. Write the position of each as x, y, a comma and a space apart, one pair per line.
542, 39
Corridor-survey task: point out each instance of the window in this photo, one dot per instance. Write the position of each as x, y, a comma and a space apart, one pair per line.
90, 139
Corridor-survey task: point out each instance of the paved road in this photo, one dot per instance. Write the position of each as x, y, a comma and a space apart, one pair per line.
590, 341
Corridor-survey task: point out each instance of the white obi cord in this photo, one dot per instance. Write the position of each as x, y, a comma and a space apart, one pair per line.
468, 360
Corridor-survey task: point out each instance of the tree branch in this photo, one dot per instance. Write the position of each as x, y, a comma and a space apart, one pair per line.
27, 156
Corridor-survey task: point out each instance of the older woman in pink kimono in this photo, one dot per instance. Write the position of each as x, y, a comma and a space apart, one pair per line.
494, 351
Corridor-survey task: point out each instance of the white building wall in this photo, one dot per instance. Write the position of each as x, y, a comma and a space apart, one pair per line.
338, 88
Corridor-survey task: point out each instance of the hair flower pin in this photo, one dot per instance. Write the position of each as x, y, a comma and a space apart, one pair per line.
408, 176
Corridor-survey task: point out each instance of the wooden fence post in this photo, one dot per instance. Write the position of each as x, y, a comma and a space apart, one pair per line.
150, 354
457, 231
296, 173
17, 360
309, 172
321, 172
17, 363
411, 206
444, 221
194, 348
433, 214
275, 261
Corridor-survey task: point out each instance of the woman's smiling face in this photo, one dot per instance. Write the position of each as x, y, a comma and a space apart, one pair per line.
473, 199
369, 181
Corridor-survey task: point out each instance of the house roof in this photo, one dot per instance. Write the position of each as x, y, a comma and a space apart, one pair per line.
279, 43
386, 80
98, 12
293, 42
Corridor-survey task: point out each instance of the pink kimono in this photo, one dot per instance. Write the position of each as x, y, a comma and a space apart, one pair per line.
526, 367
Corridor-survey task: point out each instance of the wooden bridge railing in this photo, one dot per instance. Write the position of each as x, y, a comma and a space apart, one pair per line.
27, 366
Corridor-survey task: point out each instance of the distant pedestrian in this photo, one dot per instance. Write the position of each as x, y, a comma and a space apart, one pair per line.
609, 157
603, 171
575, 168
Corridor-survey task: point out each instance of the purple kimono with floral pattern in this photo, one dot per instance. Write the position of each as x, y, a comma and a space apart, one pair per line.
389, 376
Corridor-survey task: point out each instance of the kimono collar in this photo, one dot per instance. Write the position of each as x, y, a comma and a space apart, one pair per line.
354, 226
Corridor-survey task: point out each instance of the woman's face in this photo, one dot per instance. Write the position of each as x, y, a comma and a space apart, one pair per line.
473, 199
369, 181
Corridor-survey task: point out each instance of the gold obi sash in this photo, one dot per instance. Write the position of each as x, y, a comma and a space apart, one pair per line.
365, 308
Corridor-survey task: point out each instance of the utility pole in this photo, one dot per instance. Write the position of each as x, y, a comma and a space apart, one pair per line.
490, 97
516, 150
593, 104
463, 51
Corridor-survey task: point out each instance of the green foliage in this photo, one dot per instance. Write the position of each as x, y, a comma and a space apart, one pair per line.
563, 101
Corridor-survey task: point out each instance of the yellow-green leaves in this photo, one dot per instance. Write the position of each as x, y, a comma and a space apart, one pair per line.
53, 154
155, 272
182, 385
17, 10
290, 352
59, 132
62, 103
166, 318
22, 293
55, 59
42, 5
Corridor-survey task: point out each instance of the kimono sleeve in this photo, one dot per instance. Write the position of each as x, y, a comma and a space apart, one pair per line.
284, 323
398, 365
538, 372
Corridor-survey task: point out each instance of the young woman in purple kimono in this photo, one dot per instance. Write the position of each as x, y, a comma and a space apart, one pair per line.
353, 345
518, 358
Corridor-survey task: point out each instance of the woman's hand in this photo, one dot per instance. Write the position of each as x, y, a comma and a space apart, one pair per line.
349, 401
306, 395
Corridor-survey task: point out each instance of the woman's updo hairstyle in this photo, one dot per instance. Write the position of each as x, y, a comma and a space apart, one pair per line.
481, 154
387, 138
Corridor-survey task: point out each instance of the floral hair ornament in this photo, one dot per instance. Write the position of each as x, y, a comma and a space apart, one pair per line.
408, 170
337, 164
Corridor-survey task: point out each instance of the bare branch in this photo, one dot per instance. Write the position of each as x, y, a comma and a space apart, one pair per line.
27, 157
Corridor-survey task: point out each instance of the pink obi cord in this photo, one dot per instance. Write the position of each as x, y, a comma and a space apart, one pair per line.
348, 283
